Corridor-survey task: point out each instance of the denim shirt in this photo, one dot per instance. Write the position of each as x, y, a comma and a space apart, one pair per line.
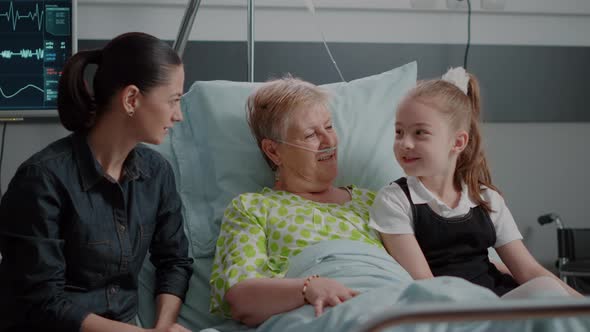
73, 240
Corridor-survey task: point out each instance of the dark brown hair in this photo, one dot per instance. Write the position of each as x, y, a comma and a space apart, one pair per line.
133, 58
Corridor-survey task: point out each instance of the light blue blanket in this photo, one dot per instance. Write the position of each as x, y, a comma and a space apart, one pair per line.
384, 284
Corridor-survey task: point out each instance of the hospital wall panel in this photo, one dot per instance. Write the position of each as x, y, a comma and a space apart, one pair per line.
533, 60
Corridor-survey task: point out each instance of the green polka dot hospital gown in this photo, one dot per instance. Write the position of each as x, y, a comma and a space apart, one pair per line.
261, 231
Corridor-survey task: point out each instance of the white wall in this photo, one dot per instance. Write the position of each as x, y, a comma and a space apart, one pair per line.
529, 22
539, 167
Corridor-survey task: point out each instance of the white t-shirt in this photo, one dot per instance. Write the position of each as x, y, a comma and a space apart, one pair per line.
391, 212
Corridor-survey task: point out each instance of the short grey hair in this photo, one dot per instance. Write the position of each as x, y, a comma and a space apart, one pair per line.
271, 106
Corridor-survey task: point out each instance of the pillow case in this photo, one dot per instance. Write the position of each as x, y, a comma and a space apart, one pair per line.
215, 158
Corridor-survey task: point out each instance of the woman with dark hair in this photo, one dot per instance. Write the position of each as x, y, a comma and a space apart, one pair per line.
79, 216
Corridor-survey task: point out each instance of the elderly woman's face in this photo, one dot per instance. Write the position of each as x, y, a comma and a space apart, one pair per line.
310, 128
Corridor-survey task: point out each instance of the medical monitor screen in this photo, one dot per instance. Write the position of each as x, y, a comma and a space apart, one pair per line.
36, 39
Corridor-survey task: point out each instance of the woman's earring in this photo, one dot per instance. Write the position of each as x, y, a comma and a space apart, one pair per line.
277, 175
130, 113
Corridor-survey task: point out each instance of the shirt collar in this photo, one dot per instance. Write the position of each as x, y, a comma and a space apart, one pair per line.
91, 172
421, 195
136, 166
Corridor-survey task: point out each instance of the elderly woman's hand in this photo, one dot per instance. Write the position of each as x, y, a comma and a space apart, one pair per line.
171, 328
325, 292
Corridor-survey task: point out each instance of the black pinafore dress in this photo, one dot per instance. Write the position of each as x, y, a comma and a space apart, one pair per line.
458, 246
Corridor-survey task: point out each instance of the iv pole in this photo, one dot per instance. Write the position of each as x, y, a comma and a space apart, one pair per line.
250, 40
187, 24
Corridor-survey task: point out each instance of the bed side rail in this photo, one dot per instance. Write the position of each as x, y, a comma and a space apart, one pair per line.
454, 312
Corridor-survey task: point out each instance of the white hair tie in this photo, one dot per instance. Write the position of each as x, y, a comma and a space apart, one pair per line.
457, 76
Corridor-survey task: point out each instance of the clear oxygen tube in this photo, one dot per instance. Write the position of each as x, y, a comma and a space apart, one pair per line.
330, 149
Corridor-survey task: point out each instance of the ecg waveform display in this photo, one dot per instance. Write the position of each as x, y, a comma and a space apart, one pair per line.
19, 91
14, 16
36, 40
38, 54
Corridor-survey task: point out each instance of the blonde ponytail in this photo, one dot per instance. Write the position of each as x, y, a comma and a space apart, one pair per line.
472, 165
457, 95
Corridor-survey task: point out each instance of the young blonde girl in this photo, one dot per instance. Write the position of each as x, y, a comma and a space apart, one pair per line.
441, 219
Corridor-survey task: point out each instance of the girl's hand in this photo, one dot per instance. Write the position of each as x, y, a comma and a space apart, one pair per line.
325, 292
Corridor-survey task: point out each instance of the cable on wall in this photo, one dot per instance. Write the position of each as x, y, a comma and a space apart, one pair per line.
310, 6
2, 154
468, 34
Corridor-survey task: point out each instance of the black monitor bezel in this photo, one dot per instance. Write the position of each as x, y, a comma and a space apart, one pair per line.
45, 113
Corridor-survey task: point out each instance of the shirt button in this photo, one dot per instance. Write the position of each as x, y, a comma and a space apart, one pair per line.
122, 228
113, 290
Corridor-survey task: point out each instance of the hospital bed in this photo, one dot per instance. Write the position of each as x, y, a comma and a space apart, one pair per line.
214, 158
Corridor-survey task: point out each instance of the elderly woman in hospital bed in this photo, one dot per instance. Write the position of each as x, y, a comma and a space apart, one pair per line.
261, 231
271, 242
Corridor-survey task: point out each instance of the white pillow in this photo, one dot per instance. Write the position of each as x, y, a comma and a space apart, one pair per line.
218, 158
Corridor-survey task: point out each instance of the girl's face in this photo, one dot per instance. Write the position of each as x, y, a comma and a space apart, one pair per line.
424, 140
312, 129
160, 108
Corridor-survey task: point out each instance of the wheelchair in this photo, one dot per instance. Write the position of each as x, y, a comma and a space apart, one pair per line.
573, 253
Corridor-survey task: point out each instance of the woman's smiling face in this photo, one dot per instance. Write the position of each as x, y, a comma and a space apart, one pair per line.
309, 129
